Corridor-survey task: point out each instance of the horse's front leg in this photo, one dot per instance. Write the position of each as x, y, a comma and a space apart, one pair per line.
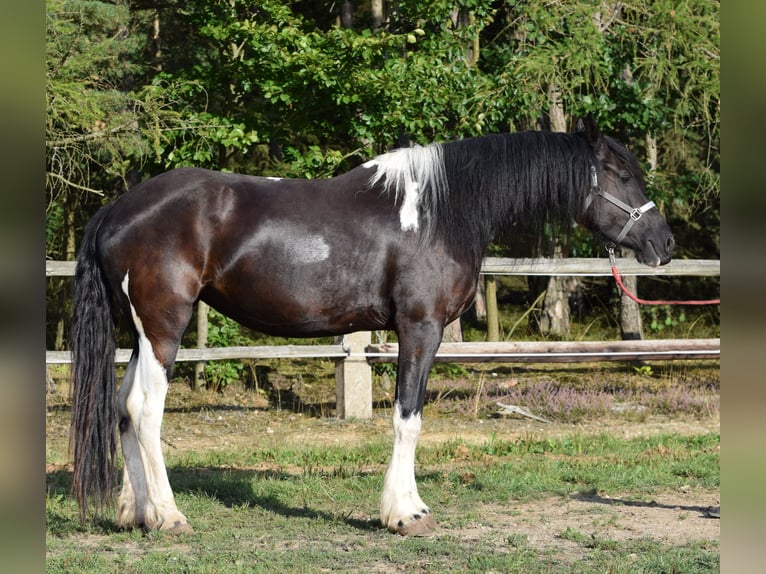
402, 510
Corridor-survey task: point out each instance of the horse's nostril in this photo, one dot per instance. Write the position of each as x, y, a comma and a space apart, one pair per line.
670, 244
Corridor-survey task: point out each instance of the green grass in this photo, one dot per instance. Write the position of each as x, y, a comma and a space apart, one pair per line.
315, 509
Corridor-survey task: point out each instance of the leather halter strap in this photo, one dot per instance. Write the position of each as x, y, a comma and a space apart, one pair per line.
634, 213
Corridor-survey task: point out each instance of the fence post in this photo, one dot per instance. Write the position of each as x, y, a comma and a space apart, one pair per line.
631, 327
199, 368
493, 317
353, 379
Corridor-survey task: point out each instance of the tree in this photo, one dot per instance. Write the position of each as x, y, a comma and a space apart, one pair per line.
312, 88
90, 126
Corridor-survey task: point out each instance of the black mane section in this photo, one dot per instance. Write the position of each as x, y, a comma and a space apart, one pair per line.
519, 182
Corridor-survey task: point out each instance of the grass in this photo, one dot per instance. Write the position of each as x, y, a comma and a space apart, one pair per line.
315, 509
271, 484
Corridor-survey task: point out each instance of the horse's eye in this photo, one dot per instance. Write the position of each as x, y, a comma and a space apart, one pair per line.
625, 177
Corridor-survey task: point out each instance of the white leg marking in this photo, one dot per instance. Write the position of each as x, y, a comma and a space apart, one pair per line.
400, 503
126, 509
146, 498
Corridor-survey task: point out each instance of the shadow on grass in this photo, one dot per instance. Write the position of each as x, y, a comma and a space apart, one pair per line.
61, 516
234, 488
231, 487
705, 511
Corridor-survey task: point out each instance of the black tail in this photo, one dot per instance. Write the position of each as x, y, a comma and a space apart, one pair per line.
94, 413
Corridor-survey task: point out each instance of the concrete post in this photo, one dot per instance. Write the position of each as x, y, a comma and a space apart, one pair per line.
353, 380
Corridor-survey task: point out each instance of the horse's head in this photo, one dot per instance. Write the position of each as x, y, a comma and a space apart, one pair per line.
616, 205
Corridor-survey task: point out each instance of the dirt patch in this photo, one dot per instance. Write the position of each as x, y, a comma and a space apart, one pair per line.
568, 524
199, 422
256, 428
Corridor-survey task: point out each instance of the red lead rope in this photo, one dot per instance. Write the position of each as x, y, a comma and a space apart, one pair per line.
624, 289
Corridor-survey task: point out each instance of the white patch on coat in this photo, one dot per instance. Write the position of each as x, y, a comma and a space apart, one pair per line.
305, 249
283, 239
411, 173
400, 501
408, 214
274, 178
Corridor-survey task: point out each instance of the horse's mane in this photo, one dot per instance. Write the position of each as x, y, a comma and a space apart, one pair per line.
472, 189
422, 166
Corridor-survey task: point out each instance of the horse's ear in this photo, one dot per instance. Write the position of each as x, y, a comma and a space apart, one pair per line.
593, 134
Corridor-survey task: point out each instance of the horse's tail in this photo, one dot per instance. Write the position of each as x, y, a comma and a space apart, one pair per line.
94, 412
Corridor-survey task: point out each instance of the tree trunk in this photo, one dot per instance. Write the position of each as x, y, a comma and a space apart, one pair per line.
651, 151
480, 301
376, 9
453, 332
70, 251
556, 112
631, 327
347, 14
461, 19
157, 42
554, 317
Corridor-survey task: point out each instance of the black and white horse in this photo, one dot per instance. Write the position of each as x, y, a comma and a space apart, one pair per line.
394, 244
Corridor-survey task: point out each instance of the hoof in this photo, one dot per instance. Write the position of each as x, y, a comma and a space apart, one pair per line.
177, 527
424, 525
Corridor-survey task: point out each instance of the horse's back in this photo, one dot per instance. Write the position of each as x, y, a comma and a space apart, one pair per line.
251, 245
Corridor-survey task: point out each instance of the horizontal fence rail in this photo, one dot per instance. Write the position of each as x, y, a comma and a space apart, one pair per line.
226, 353
355, 353
536, 266
472, 352
587, 266
561, 351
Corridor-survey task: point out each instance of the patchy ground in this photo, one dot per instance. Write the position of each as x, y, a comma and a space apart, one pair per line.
670, 517
239, 418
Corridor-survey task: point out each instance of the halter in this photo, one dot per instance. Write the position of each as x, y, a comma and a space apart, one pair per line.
635, 213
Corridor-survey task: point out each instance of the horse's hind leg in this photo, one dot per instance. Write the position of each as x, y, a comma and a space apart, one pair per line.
126, 511
146, 500
401, 509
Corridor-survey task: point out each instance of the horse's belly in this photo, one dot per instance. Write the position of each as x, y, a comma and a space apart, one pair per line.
302, 322
281, 309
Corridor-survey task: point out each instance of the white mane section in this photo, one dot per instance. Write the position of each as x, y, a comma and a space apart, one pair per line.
418, 174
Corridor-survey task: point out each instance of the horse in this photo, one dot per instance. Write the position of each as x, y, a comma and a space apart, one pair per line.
395, 243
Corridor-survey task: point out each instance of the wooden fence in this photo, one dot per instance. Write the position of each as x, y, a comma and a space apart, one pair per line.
355, 352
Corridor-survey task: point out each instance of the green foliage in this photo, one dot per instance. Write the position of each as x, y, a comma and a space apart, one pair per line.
241, 81
90, 124
662, 317
224, 332
278, 88
645, 370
